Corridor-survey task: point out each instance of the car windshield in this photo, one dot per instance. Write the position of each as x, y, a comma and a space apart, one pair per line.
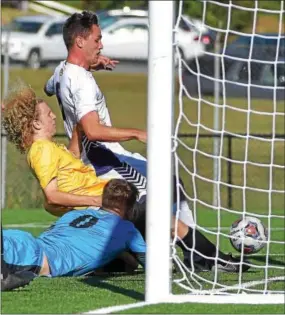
24, 26
260, 44
246, 40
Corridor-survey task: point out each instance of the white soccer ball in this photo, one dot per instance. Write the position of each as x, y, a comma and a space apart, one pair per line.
249, 234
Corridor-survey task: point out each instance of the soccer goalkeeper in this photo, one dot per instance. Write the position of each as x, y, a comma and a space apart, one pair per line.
81, 240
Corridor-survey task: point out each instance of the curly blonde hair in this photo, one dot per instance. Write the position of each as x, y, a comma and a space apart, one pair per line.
19, 113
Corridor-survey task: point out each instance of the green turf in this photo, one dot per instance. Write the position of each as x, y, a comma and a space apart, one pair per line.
74, 295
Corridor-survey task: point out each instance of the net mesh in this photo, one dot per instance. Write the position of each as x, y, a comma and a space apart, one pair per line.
229, 138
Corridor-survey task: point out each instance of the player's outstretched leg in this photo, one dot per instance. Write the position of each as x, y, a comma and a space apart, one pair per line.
11, 281
224, 263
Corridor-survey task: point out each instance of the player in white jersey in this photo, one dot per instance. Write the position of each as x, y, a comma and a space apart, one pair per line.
82, 102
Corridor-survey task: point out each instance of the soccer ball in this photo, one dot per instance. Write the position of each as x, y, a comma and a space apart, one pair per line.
248, 233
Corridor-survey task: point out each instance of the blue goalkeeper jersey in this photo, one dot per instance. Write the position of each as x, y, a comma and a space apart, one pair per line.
83, 240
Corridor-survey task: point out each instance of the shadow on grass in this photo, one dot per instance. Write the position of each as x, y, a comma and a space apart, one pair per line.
271, 261
104, 282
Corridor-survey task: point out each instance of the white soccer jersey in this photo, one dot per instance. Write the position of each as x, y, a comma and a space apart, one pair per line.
78, 94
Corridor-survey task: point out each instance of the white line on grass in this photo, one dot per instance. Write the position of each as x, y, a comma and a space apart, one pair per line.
198, 298
28, 225
41, 225
46, 225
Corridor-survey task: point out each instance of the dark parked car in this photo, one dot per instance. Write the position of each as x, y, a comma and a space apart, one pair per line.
264, 78
266, 42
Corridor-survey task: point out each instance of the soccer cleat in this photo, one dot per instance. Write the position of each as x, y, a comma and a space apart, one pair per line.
200, 264
232, 265
17, 280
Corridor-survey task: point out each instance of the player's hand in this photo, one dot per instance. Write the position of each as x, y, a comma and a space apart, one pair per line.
142, 136
104, 63
96, 201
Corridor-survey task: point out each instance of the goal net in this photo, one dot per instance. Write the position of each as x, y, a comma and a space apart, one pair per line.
227, 145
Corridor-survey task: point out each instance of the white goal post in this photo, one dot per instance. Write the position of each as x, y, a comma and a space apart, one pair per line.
160, 104
165, 159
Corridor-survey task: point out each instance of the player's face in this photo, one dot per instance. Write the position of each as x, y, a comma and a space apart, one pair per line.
93, 45
46, 119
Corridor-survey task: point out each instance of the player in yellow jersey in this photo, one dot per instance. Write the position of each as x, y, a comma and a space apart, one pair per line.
66, 181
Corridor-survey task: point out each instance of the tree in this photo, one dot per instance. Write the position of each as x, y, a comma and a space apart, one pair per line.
216, 14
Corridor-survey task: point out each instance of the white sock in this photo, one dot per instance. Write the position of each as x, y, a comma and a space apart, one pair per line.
185, 214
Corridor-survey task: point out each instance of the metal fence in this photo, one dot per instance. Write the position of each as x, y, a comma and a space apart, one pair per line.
23, 191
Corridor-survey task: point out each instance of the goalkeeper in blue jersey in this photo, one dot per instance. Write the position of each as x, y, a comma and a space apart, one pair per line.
80, 241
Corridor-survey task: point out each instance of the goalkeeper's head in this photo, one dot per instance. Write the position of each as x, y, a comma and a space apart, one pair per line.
119, 196
26, 116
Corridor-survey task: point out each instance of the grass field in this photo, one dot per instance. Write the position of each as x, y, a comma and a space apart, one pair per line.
128, 94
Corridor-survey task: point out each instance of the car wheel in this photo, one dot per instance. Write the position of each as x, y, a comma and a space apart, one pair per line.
34, 60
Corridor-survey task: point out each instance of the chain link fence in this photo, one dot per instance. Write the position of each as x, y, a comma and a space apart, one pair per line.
24, 192
22, 188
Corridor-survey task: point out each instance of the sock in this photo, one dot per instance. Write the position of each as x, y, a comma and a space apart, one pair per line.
4, 267
202, 245
185, 214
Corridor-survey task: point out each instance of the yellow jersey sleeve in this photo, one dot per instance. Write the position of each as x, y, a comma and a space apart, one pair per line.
43, 159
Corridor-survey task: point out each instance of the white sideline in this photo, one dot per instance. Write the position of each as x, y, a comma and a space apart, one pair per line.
46, 225
188, 298
28, 225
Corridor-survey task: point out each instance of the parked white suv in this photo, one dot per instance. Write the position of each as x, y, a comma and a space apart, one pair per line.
127, 38
34, 40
